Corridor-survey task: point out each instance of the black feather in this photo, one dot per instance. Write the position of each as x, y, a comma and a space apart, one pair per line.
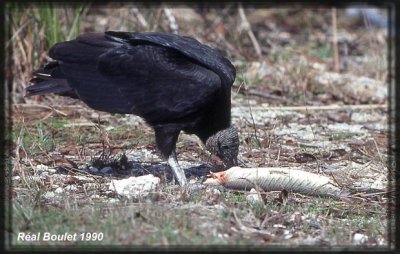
174, 82
47, 86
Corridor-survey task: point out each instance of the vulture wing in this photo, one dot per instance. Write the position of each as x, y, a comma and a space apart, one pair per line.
160, 77
191, 48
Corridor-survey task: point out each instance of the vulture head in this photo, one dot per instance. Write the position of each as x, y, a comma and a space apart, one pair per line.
225, 145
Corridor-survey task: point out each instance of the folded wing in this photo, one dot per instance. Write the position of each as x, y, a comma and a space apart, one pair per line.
144, 76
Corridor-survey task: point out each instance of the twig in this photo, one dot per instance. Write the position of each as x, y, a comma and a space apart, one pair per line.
278, 156
335, 41
326, 107
172, 21
253, 108
255, 92
379, 151
246, 26
140, 18
21, 48
366, 20
193, 139
26, 105
228, 45
84, 124
15, 34
156, 20
40, 106
252, 118
248, 229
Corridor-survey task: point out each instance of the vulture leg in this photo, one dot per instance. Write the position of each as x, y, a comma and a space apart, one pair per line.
180, 175
178, 171
166, 142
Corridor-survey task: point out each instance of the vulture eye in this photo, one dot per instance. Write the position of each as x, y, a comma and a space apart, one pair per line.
224, 147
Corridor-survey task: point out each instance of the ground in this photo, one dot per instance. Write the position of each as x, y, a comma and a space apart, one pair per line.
293, 104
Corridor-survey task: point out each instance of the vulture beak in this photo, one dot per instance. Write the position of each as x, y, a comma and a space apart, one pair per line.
229, 158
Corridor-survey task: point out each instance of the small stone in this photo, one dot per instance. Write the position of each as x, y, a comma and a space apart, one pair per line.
359, 238
112, 200
71, 188
363, 88
83, 167
287, 235
254, 198
93, 170
213, 191
44, 169
84, 178
135, 186
380, 183
49, 195
309, 241
318, 66
41, 167
37, 178
59, 190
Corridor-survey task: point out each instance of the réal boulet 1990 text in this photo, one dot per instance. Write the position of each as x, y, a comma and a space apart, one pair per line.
59, 237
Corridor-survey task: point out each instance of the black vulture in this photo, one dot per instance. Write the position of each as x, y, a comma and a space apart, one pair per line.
175, 83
